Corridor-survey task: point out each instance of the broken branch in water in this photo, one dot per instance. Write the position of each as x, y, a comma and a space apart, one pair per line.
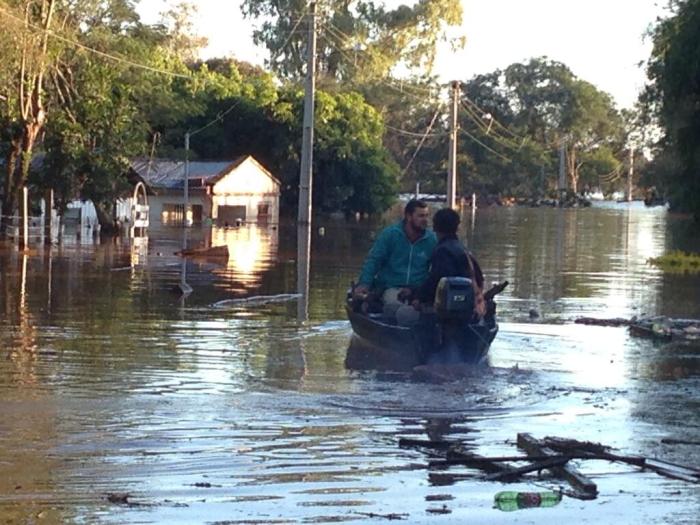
392, 516
671, 441
598, 451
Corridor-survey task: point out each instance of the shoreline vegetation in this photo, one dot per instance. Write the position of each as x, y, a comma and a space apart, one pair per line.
103, 89
677, 262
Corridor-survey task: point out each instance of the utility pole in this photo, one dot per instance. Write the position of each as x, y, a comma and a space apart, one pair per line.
630, 174
187, 180
452, 160
306, 175
306, 172
185, 288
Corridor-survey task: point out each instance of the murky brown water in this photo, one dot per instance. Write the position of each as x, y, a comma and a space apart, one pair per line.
236, 412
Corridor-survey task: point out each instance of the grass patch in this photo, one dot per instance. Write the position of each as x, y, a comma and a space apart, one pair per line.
677, 262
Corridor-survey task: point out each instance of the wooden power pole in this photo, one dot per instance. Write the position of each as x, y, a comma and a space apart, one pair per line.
306, 171
306, 175
452, 160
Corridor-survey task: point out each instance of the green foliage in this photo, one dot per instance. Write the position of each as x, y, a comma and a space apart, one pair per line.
677, 262
102, 112
360, 40
352, 170
524, 113
672, 97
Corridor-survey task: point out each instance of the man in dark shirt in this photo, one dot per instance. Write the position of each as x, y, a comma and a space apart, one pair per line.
450, 259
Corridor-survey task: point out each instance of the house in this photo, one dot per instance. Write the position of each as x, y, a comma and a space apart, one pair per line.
226, 192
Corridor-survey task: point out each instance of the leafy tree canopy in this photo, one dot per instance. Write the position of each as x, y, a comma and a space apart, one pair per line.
358, 40
673, 99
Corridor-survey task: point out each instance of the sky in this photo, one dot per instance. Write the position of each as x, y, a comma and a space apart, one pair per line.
602, 41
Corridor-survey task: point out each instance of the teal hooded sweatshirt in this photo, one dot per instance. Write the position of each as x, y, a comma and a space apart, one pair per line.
395, 262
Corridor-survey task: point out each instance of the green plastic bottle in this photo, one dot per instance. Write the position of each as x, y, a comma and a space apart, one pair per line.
508, 501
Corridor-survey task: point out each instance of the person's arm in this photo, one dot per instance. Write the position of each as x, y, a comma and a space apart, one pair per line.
376, 258
477, 277
475, 270
440, 266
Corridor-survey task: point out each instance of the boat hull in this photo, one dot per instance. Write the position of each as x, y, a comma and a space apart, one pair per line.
377, 344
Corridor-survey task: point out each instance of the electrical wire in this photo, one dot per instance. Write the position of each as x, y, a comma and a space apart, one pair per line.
488, 148
336, 40
422, 141
103, 54
415, 134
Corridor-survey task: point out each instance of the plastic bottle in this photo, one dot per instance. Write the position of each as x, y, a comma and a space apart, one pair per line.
509, 500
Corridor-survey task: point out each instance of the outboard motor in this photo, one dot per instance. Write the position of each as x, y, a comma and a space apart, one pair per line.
454, 299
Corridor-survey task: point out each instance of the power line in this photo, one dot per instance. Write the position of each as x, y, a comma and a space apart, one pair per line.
493, 119
422, 140
337, 31
488, 148
483, 128
103, 54
415, 134
336, 44
219, 118
293, 31
95, 51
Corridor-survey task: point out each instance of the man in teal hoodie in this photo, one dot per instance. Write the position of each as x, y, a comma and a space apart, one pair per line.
399, 259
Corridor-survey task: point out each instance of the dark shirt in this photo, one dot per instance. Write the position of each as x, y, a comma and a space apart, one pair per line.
449, 259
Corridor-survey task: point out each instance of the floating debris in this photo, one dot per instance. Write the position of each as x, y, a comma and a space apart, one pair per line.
658, 327
552, 454
257, 300
212, 251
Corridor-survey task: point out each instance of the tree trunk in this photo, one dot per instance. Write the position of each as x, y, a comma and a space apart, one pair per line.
9, 198
107, 220
32, 114
572, 170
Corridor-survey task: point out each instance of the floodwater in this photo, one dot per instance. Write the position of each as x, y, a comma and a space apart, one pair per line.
222, 409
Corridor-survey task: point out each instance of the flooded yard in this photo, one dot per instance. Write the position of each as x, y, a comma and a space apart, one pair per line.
122, 402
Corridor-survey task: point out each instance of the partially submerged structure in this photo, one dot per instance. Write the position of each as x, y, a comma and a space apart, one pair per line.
226, 193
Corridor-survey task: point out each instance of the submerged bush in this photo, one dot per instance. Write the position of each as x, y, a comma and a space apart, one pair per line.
677, 262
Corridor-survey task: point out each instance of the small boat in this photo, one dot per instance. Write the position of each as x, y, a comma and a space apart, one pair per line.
448, 336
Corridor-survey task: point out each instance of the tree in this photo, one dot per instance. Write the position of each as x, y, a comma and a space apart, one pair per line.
100, 107
352, 169
523, 113
357, 39
25, 117
181, 40
672, 100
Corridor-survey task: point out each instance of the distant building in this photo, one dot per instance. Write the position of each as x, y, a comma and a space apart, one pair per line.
226, 193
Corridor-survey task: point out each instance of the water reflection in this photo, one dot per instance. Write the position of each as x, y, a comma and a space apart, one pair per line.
252, 251
109, 384
596, 258
303, 270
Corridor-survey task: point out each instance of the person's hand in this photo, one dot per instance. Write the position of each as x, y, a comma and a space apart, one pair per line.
404, 294
361, 291
480, 306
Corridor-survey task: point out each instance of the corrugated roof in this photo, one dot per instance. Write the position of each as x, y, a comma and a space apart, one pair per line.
164, 173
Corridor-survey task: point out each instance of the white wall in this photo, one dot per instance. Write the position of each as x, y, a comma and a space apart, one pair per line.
156, 202
251, 204
248, 186
246, 179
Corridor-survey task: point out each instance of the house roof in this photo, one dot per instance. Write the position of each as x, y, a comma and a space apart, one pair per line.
170, 174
